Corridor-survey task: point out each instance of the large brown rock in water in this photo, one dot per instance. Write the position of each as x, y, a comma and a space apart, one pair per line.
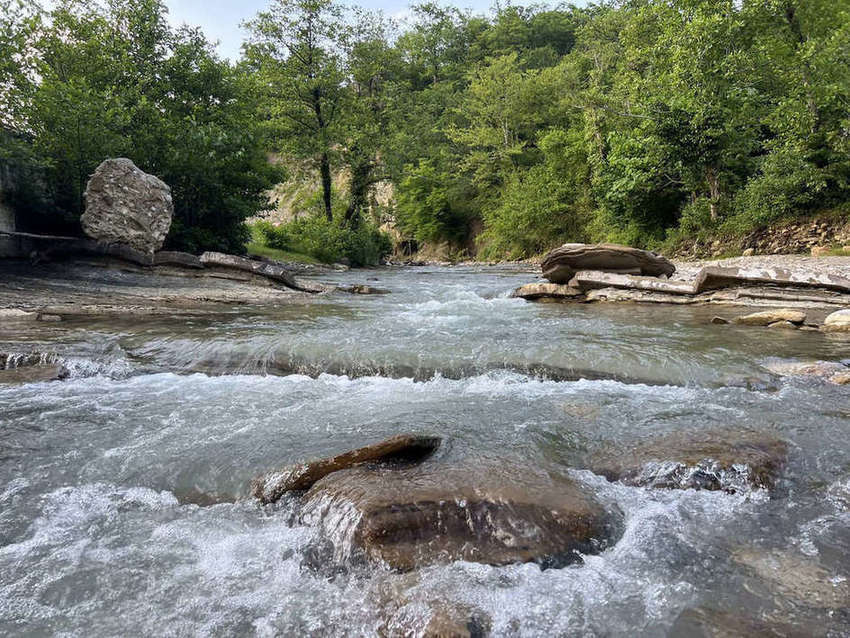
562, 263
125, 205
493, 513
727, 459
268, 488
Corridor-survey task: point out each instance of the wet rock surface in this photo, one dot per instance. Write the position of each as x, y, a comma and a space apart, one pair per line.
435, 513
832, 371
838, 321
550, 290
125, 205
561, 264
768, 317
714, 459
402, 448
707, 622
33, 373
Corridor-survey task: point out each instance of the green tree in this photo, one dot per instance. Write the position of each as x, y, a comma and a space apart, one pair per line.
295, 50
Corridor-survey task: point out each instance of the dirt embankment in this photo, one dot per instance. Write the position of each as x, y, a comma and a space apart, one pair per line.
813, 236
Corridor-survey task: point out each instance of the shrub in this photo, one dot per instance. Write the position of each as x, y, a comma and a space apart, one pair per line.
314, 235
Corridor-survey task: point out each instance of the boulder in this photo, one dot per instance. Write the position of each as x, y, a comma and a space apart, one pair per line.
720, 321
125, 205
714, 459
561, 264
268, 488
546, 290
838, 321
435, 513
767, 317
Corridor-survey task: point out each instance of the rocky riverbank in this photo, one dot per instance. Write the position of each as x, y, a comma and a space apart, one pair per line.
773, 281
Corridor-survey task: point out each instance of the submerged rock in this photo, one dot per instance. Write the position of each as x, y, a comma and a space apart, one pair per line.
268, 488
33, 374
433, 513
363, 289
125, 205
706, 622
767, 317
546, 290
796, 577
783, 325
561, 264
831, 371
725, 459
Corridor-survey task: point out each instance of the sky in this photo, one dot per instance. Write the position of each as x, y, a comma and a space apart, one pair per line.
220, 19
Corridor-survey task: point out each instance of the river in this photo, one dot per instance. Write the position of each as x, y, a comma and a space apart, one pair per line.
106, 477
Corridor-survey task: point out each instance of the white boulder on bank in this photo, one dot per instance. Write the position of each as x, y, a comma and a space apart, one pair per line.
125, 205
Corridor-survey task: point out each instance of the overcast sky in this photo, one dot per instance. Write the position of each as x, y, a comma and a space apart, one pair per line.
220, 19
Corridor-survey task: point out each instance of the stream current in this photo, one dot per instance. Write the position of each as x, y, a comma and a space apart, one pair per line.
106, 478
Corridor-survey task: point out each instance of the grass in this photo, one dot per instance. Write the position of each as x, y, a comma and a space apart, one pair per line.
258, 248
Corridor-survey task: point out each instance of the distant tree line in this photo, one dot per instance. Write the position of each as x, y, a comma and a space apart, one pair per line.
637, 121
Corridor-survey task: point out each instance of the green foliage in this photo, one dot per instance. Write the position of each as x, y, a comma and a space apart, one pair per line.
118, 81
430, 207
328, 241
622, 121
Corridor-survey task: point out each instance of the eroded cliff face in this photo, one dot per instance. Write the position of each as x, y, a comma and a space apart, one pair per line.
291, 198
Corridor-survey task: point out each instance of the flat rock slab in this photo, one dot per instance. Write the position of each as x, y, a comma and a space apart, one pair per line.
546, 290
176, 258
716, 459
595, 279
561, 264
712, 277
268, 488
434, 513
768, 317
263, 268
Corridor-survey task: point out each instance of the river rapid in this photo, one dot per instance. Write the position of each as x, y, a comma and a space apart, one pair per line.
124, 489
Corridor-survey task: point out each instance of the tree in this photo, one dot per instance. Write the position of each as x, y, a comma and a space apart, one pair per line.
296, 51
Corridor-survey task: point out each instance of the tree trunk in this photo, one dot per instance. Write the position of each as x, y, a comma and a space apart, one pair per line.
361, 172
325, 170
713, 191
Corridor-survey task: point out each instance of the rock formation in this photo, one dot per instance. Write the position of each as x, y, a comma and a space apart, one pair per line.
438, 513
562, 263
125, 205
268, 488
714, 459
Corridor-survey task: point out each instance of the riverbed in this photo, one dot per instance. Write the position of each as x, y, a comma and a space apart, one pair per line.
125, 489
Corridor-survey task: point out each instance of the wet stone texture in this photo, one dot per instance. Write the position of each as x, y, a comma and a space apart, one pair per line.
437, 514
714, 459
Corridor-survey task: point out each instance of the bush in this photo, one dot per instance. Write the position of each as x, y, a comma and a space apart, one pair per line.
328, 241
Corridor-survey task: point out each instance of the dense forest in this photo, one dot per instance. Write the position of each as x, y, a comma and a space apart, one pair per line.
636, 121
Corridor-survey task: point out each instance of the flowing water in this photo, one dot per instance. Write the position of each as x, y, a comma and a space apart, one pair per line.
106, 477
